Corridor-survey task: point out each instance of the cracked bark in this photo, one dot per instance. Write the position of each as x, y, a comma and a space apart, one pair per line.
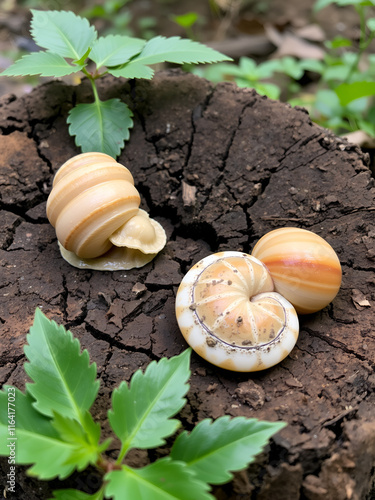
255, 165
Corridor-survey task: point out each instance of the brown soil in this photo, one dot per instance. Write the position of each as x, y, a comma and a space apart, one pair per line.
256, 165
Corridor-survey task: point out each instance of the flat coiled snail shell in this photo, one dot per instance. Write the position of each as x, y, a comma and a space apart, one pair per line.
94, 207
304, 267
229, 314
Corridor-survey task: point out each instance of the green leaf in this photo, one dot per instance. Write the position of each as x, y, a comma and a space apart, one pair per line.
348, 92
339, 42
41, 63
291, 67
162, 480
312, 65
62, 32
214, 448
133, 69
36, 440
268, 68
87, 449
321, 4
176, 50
367, 126
371, 23
141, 415
76, 495
186, 20
336, 72
363, 3
64, 380
101, 126
113, 50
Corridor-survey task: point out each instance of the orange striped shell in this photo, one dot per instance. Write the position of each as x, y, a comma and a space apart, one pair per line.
304, 267
228, 313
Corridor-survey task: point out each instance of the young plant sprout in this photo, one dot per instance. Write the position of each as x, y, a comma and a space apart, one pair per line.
72, 45
57, 435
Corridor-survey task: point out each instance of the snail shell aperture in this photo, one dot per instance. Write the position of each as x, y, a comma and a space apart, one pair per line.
229, 314
93, 199
304, 267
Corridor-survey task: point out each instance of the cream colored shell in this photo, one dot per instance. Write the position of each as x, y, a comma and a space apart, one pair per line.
228, 313
304, 267
93, 198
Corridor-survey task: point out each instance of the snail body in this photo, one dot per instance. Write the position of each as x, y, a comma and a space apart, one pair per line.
229, 314
304, 267
92, 198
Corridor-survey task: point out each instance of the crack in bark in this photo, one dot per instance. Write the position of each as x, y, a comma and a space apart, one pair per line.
338, 345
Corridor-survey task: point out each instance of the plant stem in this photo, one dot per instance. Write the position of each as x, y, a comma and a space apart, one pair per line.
107, 465
92, 79
123, 451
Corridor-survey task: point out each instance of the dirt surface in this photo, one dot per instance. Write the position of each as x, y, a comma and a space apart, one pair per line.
255, 165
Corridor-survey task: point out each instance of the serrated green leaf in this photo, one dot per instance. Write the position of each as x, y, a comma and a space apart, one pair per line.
36, 441
348, 92
62, 32
162, 480
113, 50
82, 60
214, 449
86, 438
76, 495
41, 63
133, 69
177, 50
64, 380
141, 415
101, 126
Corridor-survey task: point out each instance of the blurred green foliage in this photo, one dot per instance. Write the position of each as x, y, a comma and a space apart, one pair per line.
344, 99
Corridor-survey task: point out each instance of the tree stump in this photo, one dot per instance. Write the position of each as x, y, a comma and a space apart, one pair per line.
218, 167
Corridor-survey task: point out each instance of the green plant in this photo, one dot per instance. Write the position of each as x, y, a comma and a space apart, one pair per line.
50, 425
345, 102
252, 75
112, 12
72, 45
187, 21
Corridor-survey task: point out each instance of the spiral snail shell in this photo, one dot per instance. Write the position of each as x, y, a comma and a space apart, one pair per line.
94, 207
304, 267
229, 314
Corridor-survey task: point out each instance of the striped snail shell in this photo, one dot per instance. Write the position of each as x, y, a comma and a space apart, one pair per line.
229, 314
93, 206
304, 267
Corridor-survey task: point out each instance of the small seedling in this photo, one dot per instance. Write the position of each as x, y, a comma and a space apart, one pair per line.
50, 425
72, 45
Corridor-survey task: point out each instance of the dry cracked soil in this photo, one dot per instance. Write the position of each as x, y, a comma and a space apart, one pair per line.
218, 167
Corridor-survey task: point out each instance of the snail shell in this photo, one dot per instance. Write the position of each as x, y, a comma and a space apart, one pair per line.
229, 314
304, 267
93, 198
